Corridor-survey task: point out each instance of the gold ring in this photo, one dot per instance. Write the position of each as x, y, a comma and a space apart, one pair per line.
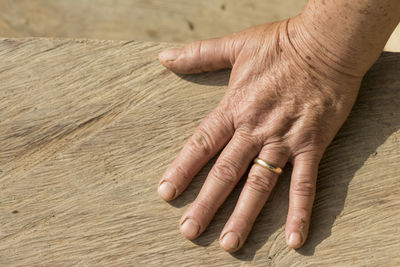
268, 166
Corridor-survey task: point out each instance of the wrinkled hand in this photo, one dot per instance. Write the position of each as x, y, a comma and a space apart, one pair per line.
287, 97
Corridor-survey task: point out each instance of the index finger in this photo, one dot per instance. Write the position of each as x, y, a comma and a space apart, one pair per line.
209, 138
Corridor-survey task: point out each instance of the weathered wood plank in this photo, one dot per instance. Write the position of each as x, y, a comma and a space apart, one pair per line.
156, 20
87, 128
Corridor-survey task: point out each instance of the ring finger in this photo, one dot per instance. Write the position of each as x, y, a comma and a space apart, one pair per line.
255, 193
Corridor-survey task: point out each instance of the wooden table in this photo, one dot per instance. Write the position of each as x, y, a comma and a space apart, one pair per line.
88, 127
144, 20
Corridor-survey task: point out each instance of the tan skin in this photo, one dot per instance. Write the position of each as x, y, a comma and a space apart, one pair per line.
293, 83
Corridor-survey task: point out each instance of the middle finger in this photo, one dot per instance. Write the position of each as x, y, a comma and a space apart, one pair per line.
226, 172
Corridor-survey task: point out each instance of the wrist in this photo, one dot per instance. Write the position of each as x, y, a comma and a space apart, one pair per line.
336, 61
351, 34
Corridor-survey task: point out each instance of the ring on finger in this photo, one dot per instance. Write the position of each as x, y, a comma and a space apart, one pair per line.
269, 166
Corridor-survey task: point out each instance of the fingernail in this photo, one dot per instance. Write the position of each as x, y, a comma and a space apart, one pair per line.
169, 55
166, 190
230, 241
295, 240
190, 228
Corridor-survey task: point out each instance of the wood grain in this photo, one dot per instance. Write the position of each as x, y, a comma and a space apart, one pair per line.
144, 20
88, 127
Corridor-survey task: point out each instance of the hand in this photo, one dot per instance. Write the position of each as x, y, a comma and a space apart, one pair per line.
287, 97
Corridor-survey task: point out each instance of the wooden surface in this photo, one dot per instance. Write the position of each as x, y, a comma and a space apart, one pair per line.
144, 20
88, 127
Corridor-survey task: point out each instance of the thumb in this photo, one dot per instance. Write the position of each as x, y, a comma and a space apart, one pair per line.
200, 56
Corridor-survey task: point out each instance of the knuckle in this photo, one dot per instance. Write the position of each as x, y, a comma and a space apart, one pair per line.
260, 184
192, 57
199, 46
201, 142
225, 172
309, 139
205, 140
254, 140
223, 117
310, 155
204, 207
304, 188
192, 48
249, 140
196, 49
314, 136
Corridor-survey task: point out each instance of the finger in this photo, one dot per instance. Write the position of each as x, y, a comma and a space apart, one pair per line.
301, 199
211, 135
255, 193
226, 172
199, 56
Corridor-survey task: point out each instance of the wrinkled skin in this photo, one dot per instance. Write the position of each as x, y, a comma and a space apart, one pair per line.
287, 98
